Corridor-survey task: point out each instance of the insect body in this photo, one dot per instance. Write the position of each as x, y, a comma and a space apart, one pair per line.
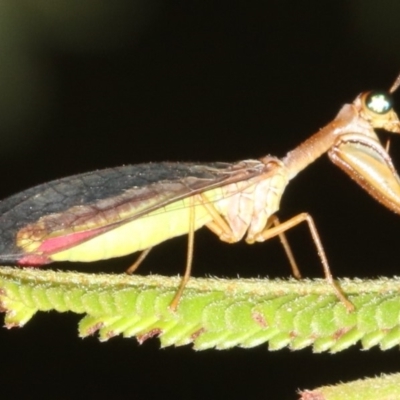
74, 219
118, 211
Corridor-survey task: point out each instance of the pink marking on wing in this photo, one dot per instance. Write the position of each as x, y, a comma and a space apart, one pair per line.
33, 260
56, 244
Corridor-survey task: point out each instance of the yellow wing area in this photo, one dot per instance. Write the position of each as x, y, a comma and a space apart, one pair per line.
162, 224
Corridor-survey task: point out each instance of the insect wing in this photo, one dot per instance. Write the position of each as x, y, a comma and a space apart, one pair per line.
64, 213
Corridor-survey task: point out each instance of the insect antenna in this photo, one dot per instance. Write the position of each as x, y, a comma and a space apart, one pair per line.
395, 85
392, 89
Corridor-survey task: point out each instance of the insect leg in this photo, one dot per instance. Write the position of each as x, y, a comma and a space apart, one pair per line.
139, 260
284, 226
218, 225
221, 228
189, 259
289, 254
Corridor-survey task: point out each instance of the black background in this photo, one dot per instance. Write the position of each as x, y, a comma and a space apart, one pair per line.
86, 88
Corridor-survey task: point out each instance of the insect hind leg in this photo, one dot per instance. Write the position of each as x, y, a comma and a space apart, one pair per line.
189, 259
139, 260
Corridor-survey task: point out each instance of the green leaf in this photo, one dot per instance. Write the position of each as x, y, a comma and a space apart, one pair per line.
212, 313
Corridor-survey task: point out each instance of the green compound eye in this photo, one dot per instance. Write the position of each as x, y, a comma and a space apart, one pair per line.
379, 102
